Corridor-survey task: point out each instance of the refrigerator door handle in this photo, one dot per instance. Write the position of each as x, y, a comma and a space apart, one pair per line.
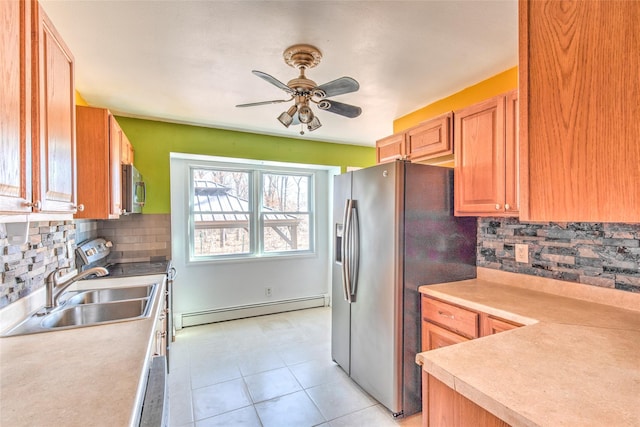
346, 249
354, 256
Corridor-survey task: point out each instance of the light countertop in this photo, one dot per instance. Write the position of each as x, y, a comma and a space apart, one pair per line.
79, 377
575, 363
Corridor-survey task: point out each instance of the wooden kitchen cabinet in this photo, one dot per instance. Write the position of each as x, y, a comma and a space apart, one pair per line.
53, 116
37, 139
99, 173
445, 324
126, 150
580, 121
486, 158
453, 409
431, 139
391, 148
15, 108
428, 140
494, 325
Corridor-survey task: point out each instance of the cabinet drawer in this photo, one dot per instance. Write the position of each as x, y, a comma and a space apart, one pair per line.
455, 318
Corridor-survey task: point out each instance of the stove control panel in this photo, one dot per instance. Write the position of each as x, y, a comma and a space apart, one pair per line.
93, 250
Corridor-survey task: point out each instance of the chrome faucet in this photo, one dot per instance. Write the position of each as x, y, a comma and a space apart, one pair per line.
54, 289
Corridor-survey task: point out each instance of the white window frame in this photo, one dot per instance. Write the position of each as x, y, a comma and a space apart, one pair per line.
256, 231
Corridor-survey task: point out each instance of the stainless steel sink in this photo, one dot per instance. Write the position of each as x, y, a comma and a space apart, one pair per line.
91, 307
91, 314
93, 296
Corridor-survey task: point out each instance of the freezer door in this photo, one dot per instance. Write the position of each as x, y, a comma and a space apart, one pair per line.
340, 310
376, 311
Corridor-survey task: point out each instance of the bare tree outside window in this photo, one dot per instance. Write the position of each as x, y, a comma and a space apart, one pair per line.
226, 208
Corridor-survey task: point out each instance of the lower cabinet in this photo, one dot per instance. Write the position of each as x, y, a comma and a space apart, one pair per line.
449, 408
445, 324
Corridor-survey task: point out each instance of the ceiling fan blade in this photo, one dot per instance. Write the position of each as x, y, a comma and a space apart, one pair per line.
339, 86
253, 104
336, 107
273, 81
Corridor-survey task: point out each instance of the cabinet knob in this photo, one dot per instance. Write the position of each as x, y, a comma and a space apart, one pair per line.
35, 205
497, 206
507, 207
79, 207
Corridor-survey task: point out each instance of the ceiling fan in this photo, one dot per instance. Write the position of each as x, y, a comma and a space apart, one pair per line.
304, 91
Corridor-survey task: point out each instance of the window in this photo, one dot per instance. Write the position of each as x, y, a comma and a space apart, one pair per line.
250, 212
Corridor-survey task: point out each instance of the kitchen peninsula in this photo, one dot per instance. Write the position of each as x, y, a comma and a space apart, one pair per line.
575, 362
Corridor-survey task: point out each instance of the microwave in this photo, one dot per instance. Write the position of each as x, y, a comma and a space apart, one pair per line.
134, 191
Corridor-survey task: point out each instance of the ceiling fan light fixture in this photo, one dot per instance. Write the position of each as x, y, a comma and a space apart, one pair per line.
305, 114
286, 118
314, 124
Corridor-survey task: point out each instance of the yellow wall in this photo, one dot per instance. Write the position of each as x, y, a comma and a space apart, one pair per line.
80, 100
500, 83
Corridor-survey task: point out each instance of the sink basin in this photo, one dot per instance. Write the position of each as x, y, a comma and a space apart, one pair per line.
106, 295
91, 307
91, 314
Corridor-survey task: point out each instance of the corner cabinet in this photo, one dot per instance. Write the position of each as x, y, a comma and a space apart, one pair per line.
431, 139
101, 145
445, 324
580, 120
37, 140
487, 158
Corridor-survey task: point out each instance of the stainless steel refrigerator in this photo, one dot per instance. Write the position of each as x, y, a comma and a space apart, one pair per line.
394, 230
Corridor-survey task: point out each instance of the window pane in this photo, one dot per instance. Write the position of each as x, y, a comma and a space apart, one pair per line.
221, 241
221, 212
285, 232
285, 193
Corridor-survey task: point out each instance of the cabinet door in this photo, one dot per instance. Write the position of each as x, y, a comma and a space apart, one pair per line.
391, 148
126, 151
580, 120
116, 137
15, 106
430, 139
54, 148
480, 158
512, 155
433, 336
493, 325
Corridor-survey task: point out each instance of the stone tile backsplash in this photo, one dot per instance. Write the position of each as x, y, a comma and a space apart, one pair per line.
24, 268
51, 244
138, 237
598, 254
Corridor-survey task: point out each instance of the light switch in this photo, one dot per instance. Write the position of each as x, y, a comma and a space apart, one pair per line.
522, 253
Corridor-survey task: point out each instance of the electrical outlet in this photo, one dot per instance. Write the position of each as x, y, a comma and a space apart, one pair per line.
522, 253
267, 292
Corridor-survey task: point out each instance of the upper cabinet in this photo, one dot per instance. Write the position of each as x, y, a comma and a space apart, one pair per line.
428, 140
37, 145
486, 157
391, 148
103, 148
54, 120
580, 121
15, 107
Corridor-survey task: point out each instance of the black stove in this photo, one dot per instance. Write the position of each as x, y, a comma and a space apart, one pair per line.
94, 253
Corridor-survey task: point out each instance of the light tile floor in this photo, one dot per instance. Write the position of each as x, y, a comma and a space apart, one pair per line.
269, 371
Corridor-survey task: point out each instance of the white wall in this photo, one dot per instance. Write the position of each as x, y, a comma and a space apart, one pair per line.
203, 286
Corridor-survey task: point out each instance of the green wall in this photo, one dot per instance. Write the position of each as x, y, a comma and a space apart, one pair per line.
153, 141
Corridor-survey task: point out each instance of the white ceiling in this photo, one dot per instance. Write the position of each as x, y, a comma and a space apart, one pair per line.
191, 61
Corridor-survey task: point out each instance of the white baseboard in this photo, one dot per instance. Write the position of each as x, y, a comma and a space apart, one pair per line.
238, 312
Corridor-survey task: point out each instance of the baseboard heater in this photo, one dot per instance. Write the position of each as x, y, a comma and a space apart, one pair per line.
251, 310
